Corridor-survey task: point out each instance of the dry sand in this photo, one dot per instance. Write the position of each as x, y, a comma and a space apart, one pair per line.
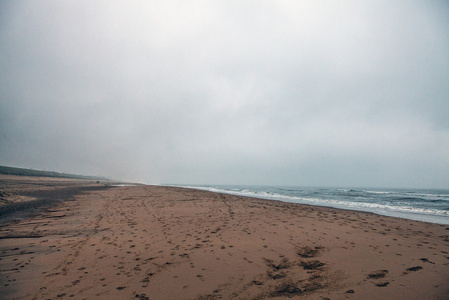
152, 242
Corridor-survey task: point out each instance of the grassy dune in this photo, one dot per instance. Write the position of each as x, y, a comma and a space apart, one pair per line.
29, 172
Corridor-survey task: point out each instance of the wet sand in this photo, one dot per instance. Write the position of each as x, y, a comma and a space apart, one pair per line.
152, 242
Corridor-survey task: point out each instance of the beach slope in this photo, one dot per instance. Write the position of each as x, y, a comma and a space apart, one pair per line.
155, 242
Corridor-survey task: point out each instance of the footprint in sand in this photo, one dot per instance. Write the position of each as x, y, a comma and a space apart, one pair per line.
412, 269
142, 297
379, 275
426, 260
308, 252
382, 284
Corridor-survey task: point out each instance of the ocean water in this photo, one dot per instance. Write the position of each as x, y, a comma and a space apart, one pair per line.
428, 205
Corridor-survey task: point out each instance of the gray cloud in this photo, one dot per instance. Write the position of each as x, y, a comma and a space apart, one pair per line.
308, 93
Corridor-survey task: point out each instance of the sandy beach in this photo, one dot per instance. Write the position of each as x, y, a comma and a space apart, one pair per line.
154, 242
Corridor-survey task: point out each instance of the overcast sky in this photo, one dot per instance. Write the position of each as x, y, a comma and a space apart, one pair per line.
327, 93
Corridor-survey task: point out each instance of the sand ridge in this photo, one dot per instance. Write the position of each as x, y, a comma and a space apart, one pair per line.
152, 242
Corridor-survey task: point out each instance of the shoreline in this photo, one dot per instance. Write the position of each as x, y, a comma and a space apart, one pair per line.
310, 205
350, 206
160, 242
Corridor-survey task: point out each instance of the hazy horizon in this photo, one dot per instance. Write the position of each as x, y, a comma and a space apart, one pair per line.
193, 185
310, 93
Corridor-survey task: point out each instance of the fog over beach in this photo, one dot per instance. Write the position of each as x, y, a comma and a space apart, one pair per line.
224, 149
310, 93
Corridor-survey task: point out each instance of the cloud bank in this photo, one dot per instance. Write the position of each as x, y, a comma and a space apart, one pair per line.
263, 92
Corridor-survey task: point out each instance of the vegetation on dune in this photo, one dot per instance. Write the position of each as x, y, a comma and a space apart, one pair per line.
29, 172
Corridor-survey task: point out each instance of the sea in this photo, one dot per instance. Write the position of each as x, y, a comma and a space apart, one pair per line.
427, 205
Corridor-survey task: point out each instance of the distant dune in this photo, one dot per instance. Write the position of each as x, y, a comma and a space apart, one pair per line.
29, 172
